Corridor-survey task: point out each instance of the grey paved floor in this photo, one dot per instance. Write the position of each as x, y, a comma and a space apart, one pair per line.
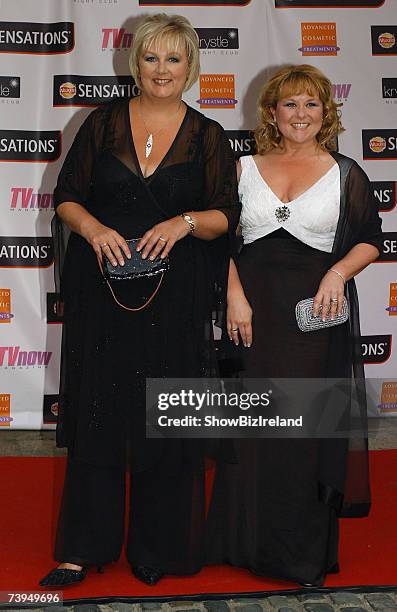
383, 435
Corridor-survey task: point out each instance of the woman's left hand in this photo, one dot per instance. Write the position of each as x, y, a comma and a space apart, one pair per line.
328, 300
161, 238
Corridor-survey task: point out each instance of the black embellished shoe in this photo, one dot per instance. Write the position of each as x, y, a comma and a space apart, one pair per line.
60, 577
149, 575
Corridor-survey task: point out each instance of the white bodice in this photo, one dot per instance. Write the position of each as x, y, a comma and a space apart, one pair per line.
312, 217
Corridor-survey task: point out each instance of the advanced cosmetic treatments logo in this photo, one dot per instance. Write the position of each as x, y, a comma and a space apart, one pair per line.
217, 90
78, 90
10, 89
26, 252
379, 144
392, 307
224, 41
384, 40
5, 306
388, 398
20, 145
36, 38
385, 193
241, 141
328, 3
318, 39
5, 410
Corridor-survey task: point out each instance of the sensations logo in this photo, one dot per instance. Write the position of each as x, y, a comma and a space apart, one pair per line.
318, 39
389, 250
26, 252
5, 410
375, 349
392, 307
54, 309
5, 306
217, 90
24, 198
222, 40
385, 193
20, 145
384, 39
37, 38
328, 3
241, 141
116, 39
12, 356
379, 144
78, 90
50, 409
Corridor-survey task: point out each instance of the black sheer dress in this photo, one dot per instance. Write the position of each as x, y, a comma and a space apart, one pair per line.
275, 511
107, 352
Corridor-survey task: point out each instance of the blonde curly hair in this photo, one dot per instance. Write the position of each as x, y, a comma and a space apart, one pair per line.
295, 80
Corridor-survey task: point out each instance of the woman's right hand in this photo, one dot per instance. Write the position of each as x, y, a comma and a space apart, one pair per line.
239, 318
106, 241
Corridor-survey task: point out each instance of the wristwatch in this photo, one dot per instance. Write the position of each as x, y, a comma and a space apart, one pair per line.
190, 221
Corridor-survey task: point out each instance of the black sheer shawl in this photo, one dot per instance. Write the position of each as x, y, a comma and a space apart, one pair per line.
346, 485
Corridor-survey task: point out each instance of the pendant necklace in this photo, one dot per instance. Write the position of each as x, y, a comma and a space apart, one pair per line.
149, 141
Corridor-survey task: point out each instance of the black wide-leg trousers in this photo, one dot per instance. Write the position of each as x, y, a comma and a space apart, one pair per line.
166, 517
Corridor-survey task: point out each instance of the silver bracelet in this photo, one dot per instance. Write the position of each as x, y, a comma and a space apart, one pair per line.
339, 274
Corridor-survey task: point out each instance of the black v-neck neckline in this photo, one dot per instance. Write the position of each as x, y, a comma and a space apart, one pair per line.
149, 178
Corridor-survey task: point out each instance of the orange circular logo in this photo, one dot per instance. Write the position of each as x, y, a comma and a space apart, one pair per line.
377, 144
386, 40
67, 90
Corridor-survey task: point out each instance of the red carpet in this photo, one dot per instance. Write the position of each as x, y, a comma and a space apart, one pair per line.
30, 492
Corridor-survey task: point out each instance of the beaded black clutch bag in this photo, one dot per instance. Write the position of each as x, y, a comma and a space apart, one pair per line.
135, 268
306, 321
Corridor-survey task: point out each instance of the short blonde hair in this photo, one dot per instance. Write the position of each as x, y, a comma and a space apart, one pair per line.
177, 31
295, 80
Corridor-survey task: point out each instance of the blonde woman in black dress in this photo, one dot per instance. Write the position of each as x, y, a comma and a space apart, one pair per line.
156, 169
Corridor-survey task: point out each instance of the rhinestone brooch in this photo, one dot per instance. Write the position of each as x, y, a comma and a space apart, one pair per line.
282, 213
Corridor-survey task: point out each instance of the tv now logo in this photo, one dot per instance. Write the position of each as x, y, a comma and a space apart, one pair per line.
116, 38
24, 197
13, 356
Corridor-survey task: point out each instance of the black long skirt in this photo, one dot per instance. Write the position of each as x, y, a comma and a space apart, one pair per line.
267, 514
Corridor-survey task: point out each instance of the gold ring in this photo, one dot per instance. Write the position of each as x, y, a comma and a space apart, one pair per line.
105, 244
162, 239
334, 300
234, 330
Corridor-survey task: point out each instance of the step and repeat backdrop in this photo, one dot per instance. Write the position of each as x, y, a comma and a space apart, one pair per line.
59, 59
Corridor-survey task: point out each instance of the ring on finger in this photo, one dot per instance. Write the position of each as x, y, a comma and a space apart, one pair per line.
334, 300
234, 329
162, 239
105, 244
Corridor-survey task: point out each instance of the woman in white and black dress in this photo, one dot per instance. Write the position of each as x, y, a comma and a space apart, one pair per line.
309, 225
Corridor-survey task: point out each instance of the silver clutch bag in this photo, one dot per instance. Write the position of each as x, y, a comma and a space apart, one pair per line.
306, 321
